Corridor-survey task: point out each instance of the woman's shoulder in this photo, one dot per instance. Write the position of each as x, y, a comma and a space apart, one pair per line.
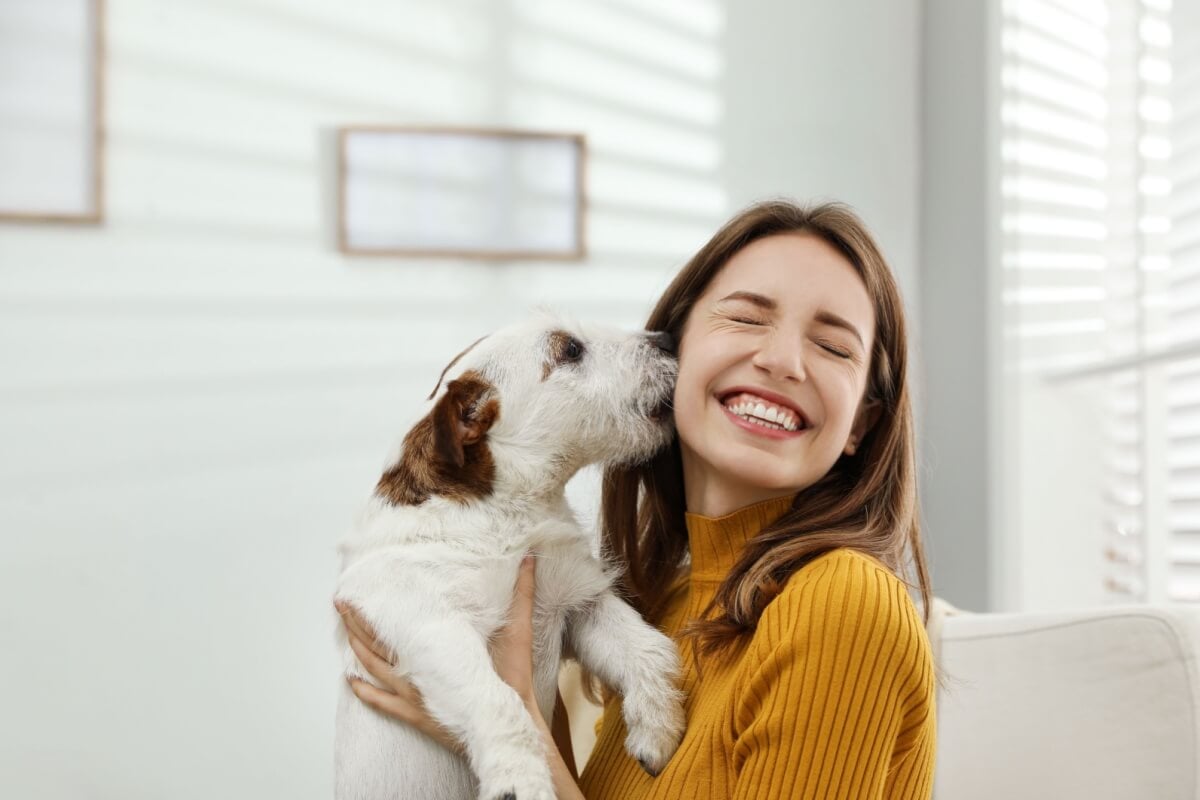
849, 602
847, 576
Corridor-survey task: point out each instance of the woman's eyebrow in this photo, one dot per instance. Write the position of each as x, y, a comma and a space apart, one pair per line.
762, 301
823, 316
829, 318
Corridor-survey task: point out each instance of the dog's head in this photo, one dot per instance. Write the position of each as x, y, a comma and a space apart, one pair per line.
529, 405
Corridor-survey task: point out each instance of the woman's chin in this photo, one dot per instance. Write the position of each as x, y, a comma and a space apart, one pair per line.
755, 471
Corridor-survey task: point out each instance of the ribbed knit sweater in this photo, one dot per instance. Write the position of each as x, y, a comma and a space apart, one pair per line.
832, 696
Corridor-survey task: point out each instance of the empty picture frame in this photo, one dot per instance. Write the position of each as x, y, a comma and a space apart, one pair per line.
460, 193
51, 81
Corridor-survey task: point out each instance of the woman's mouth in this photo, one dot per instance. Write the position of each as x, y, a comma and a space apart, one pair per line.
760, 416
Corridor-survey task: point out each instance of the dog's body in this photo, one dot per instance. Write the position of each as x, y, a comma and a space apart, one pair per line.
433, 559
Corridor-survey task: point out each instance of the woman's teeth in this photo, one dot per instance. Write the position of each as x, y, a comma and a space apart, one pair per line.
768, 416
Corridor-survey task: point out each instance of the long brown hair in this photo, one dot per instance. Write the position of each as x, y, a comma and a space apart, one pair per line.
867, 501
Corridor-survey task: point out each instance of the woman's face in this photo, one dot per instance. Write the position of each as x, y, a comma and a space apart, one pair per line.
773, 363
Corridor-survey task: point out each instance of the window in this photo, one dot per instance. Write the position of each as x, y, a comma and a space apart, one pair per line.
1100, 220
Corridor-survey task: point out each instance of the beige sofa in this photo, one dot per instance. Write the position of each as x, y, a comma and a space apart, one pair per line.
1099, 704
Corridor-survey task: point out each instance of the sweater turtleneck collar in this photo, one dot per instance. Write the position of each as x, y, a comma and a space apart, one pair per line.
716, 543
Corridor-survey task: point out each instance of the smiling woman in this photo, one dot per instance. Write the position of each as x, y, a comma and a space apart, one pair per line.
769, 541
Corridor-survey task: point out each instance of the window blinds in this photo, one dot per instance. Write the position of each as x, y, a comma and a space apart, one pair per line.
1100, 187
1176, 35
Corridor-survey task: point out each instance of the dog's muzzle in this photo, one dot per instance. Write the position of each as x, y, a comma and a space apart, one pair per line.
662, 340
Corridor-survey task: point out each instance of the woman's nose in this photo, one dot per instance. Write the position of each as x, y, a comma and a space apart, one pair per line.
782, 357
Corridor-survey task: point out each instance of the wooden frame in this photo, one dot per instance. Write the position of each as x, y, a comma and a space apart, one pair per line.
346, 238
95, 214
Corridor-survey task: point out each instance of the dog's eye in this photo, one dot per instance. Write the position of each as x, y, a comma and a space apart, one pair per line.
564, 349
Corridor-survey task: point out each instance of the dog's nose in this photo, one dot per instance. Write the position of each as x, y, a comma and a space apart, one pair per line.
662, 340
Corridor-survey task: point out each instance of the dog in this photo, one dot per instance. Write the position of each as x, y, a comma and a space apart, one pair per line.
432, 562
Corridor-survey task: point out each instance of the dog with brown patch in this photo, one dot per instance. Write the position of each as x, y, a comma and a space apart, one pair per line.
432, 561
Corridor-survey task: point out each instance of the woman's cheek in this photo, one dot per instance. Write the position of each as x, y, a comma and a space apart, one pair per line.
688, 395
688, 412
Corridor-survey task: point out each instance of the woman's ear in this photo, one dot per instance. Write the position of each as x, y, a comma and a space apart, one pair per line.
868, 414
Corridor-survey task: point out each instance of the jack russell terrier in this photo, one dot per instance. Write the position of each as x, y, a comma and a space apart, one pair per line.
432, 562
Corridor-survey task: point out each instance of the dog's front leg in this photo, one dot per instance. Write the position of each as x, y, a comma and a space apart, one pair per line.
453, 671
615, 644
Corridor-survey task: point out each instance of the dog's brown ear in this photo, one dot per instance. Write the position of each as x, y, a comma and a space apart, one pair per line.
446, 454
462, 418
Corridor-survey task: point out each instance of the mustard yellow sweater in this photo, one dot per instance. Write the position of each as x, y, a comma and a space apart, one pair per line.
831, 697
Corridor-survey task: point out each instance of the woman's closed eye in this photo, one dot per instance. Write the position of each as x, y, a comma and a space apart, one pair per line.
840, 352
837, 351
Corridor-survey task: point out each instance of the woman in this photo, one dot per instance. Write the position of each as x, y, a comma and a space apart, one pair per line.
769, 539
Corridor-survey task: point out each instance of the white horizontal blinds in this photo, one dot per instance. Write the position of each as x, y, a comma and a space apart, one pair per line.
1070, 235
1124, 395
1175, 88
1054, 142
1125, 525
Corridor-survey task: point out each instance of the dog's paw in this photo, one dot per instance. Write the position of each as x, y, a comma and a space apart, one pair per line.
537, 795
513, 788
652, 748
654, 738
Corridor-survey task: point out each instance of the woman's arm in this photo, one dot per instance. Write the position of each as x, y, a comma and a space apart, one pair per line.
565, 781
513, 658
562, 735
841, 694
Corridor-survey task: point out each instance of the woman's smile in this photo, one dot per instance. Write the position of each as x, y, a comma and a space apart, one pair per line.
760, 427
763, 412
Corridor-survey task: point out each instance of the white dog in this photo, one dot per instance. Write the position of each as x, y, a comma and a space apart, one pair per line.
433, 560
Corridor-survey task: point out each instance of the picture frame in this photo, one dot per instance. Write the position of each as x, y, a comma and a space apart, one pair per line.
457, 192
52, 102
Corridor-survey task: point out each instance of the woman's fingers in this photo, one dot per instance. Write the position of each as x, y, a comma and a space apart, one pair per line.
386, 702
382, 670
359, 627
407, 707
370, 660
396, 698
399, 698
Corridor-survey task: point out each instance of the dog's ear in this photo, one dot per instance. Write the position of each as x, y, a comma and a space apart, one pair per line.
463, 417
446, 454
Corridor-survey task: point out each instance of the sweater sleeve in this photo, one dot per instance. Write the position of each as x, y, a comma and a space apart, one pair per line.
839, 702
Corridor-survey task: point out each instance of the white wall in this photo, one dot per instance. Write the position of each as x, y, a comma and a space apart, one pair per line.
823, 102
1058, 512
197, 394
961, 431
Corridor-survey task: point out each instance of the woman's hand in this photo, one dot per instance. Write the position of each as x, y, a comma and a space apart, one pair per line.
512, 656
398, 698
512, 649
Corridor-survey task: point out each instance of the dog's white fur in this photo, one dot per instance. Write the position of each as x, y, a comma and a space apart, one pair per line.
435, 580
